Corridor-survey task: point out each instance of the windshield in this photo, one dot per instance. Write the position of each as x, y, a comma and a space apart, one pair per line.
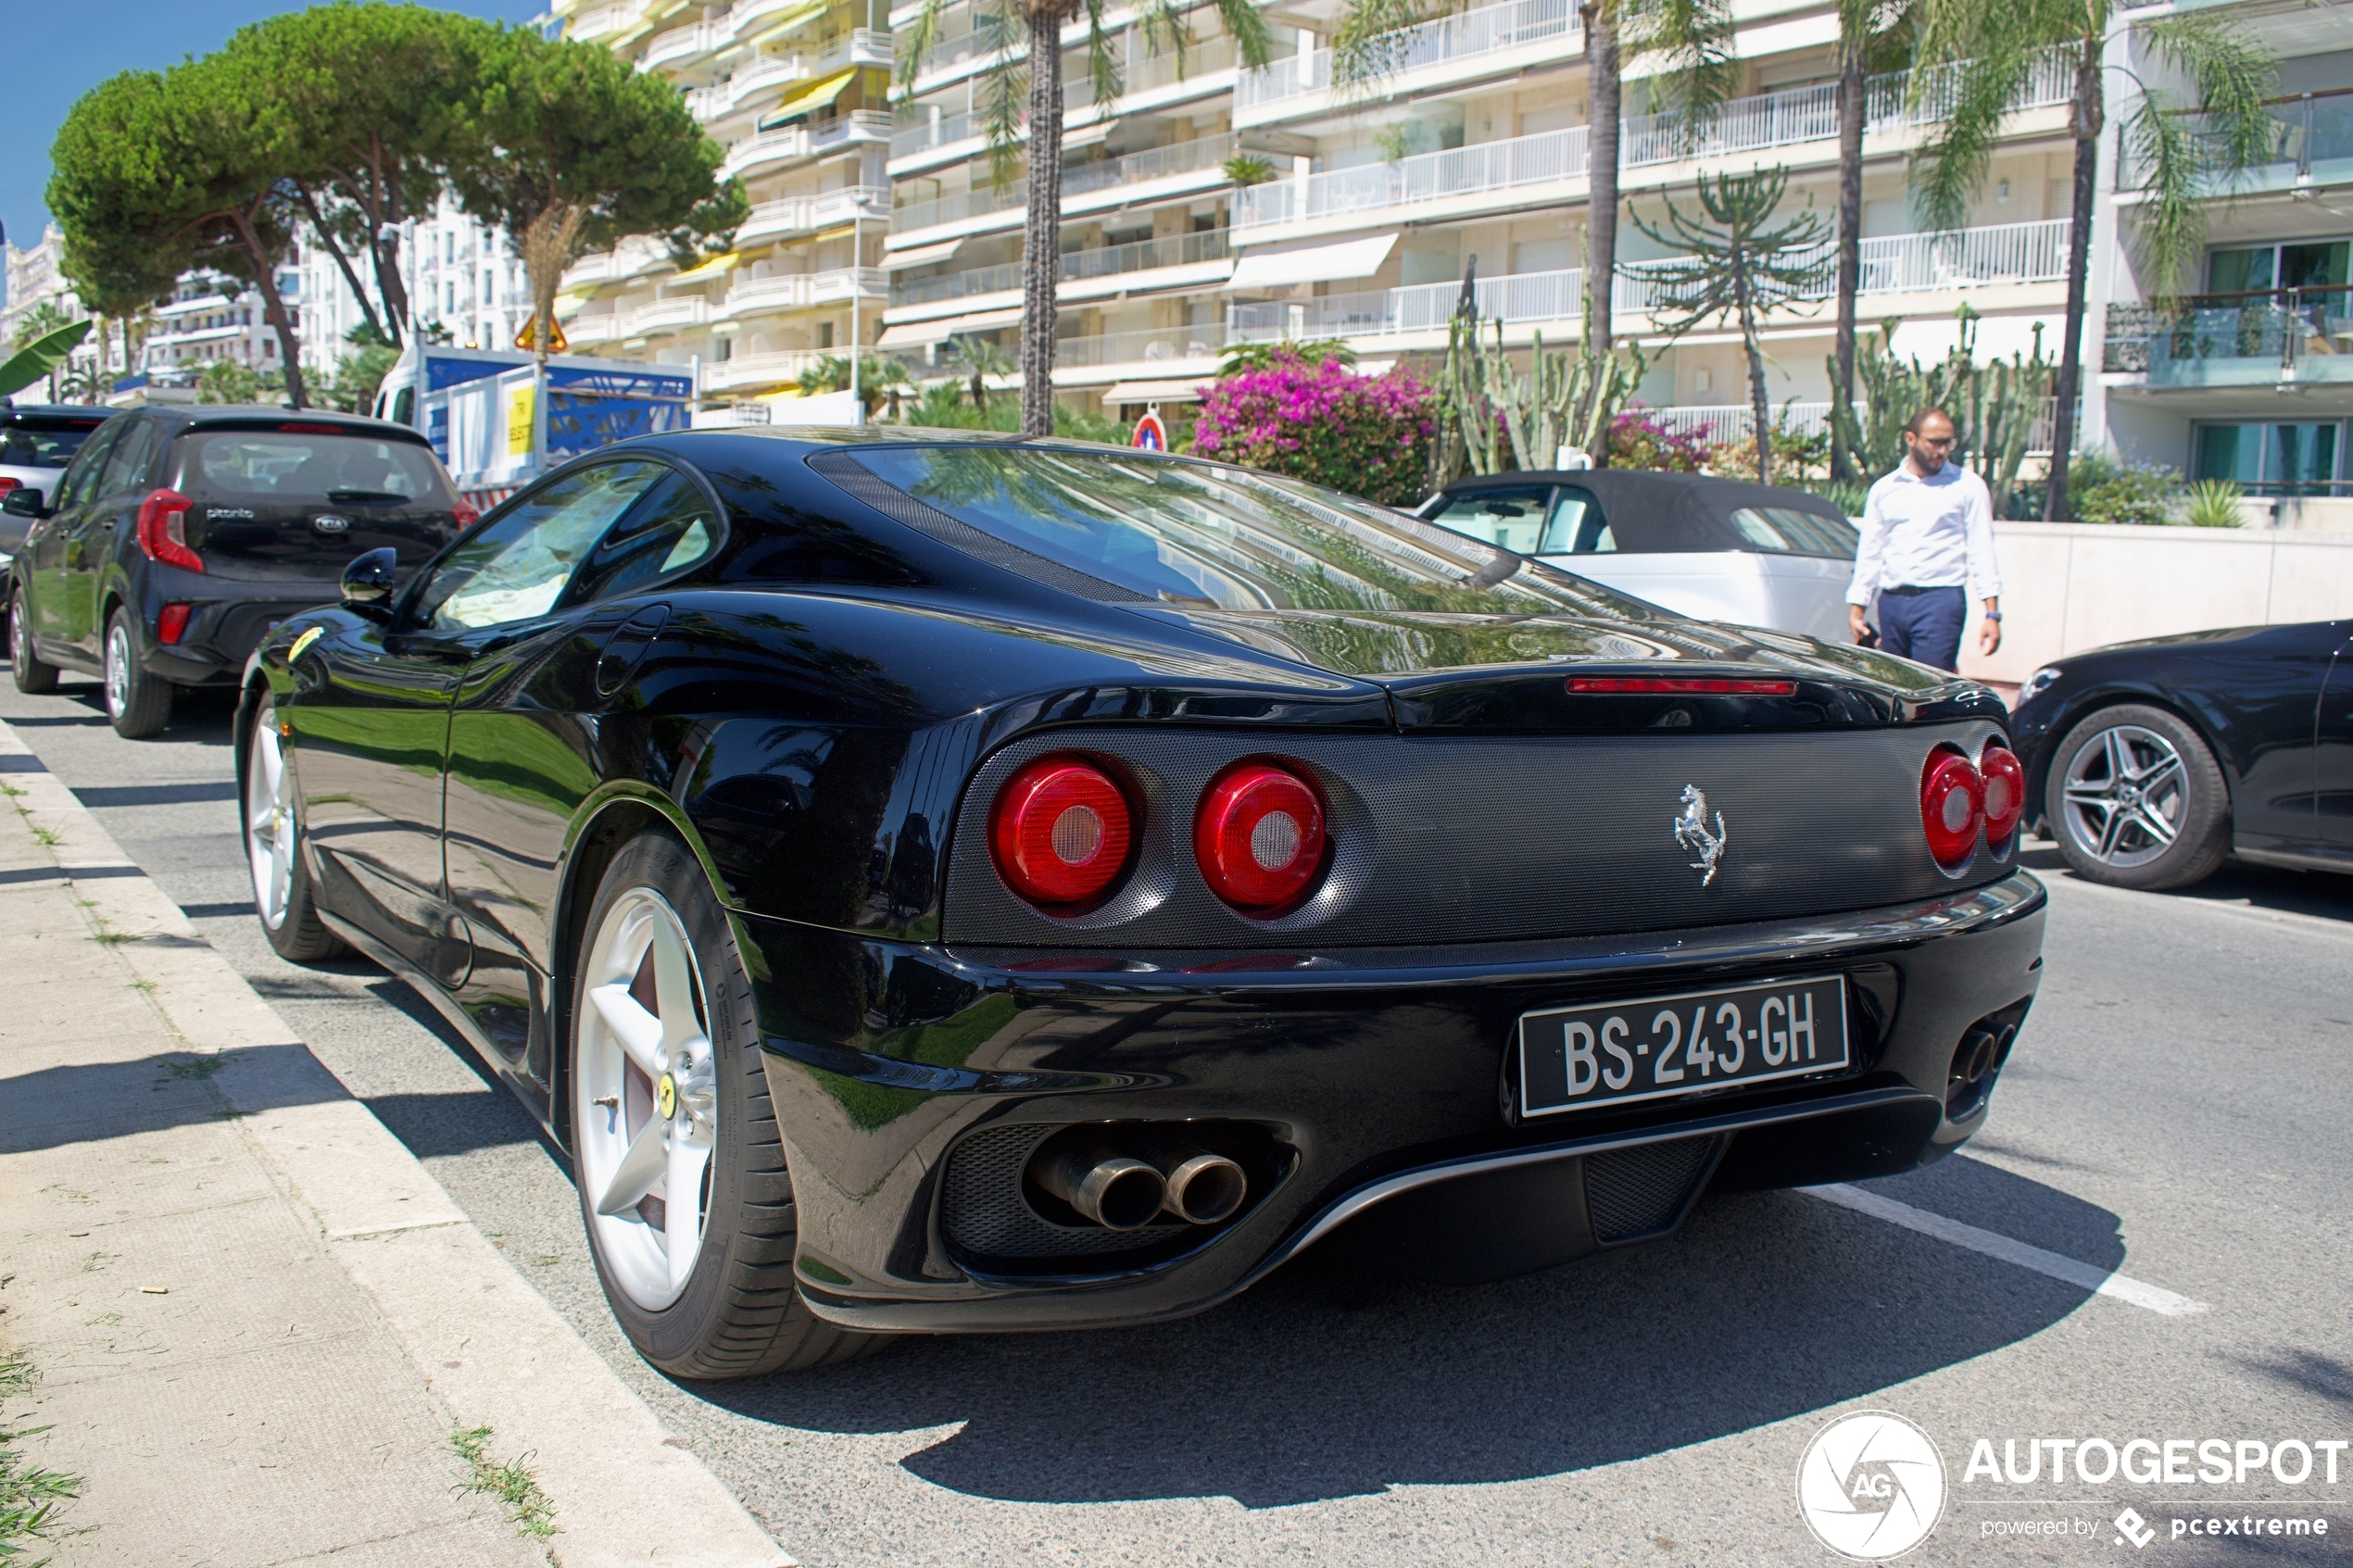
300, 466
32, 442
1206, 535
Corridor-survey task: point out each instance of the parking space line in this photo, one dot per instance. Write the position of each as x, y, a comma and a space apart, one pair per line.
2122, 1286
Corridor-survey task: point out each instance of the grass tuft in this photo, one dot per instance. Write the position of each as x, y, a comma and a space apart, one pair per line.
29, 1495
511, 1483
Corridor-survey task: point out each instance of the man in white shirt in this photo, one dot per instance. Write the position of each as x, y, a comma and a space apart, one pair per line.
1927, 549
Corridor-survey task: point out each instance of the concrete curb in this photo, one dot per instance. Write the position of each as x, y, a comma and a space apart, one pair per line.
486, 1343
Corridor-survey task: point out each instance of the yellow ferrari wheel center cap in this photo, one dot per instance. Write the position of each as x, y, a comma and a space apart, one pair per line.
666, 1097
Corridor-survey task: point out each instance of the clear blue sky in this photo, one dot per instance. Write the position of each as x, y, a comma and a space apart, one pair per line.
59, 49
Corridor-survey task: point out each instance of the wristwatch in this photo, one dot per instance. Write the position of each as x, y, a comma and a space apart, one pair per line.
1993, 615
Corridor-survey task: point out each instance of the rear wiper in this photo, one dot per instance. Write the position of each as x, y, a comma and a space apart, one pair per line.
342, 498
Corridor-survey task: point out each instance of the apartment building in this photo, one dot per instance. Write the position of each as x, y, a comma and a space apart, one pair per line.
2251, 378
1366, 209
463, 279
798, 91
1208, 205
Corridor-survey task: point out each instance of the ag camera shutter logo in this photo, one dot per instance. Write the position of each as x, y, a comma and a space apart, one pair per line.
1872, 1486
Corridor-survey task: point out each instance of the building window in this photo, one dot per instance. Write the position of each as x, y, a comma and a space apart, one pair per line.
2271, 459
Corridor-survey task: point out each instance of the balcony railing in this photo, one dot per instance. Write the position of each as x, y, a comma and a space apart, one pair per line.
1486, 30
1153, 163
747, 370
795, 215
2263, 338
1145, 73
1769, 119
1426, 177
2312, 128
2009, 253
1175, 250
682, 42
1179, 349
796, 291
801, 141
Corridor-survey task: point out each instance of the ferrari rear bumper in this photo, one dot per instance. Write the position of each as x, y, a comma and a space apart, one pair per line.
1368, 1092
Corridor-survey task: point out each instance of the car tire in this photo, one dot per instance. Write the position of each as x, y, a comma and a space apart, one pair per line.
138, 704
282, 893
32, 675
664, 1080
2136, 799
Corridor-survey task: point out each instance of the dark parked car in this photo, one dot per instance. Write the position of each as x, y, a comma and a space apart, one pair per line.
947, 884
1714, 549
37, 440
2151, 761
178, 536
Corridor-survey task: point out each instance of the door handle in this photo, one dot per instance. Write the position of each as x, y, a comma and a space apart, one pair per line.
628, 646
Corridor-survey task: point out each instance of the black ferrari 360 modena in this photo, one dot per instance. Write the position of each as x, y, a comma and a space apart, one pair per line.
936, 883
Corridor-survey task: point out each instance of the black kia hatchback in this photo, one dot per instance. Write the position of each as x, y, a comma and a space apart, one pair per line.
176, 537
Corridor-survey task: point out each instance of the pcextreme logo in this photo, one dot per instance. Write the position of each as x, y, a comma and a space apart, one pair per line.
1871, 1486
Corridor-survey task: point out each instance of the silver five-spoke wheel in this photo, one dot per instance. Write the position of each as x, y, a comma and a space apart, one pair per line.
269, 821
2126, 798
645, 1102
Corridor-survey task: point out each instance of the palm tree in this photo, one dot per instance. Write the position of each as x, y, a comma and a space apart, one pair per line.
1985, 52
1013, 75
1864, 27
1692, 40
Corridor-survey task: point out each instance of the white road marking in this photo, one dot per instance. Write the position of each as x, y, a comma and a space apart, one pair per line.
2122, 1286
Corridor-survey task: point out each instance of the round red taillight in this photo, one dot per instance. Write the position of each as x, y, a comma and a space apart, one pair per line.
2005, 792
1060, 832
1259, 836
1952, 806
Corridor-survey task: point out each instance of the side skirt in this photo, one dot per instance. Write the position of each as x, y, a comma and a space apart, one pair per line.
526, 1089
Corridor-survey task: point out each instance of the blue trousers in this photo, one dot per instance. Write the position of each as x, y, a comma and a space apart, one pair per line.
1924, 626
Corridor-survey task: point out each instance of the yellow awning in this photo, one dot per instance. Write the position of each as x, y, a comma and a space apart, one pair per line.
810, 99
715, 266
798, 17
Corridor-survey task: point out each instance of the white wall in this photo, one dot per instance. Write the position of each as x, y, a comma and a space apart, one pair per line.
2071, 586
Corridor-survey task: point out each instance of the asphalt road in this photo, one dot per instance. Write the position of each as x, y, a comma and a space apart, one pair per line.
2177, 1110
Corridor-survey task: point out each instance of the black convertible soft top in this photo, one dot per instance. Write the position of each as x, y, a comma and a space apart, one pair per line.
1654, 512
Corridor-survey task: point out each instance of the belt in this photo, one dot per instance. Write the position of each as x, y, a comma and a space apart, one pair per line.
1907, 590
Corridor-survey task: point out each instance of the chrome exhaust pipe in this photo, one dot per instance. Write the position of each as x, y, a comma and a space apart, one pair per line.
1115, 1192
1204, 1188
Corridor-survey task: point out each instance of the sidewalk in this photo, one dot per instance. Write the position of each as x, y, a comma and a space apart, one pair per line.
257, 1320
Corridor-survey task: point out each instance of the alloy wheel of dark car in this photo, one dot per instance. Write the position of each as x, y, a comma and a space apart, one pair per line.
138, 703
2136, 799
676, 1153
282, 892
32, 675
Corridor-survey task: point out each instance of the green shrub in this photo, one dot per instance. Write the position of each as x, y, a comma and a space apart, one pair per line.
2100, 489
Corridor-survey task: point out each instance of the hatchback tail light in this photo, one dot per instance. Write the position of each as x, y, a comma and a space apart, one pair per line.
171, 623
163, 530
464, 515
1060, 832
1259, 836
7, 484
2005, 792
1952, 806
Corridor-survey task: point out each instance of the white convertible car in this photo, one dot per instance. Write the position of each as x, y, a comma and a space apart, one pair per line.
1715, 549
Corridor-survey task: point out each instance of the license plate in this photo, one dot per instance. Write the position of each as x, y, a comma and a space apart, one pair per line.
1617, 1053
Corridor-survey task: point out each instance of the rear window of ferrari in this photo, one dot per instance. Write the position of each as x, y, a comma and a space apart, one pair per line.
309, 466
1204, 534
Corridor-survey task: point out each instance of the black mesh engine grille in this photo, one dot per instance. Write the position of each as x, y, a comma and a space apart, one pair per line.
982, 1211
1637, 1192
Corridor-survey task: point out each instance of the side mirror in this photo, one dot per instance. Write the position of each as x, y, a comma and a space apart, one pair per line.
368, 583
24, 501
